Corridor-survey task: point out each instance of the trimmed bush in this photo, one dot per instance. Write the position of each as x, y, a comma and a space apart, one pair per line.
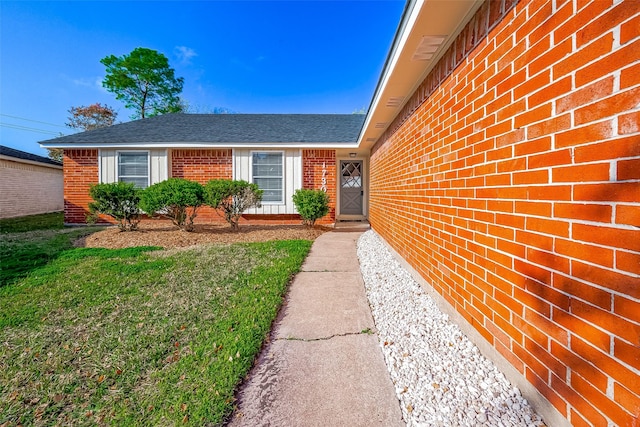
232, 198
118, 200
176, 198
311, 205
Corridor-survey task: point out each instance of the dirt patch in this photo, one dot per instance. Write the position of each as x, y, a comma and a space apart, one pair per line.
167, 236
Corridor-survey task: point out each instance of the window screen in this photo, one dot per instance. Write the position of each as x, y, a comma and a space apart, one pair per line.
268, 173
134, 167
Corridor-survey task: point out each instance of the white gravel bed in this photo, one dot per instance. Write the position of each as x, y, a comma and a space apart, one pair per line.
440, 376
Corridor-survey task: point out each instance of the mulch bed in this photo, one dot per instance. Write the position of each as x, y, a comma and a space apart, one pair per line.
165, 235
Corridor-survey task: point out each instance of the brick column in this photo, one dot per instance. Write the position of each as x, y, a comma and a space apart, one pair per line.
316, 165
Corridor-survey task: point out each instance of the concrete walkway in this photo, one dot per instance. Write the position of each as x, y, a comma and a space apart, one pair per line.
323, 366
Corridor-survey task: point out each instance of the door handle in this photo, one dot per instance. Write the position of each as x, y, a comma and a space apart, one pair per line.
362, 192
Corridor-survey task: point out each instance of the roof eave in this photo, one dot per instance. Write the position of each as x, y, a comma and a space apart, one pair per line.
152, 145
402, 74
30, 162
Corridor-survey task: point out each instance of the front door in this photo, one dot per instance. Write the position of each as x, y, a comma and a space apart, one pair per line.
351, 187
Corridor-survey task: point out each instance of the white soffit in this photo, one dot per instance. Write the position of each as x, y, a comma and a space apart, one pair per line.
430, 27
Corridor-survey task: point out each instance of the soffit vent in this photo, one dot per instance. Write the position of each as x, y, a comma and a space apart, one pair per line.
381, 125
395, 101
371, 139
428, 47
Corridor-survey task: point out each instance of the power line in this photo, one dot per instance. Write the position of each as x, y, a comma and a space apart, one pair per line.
30, 129
31, 120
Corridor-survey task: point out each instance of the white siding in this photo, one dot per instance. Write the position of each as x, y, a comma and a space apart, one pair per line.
158, 161
108, 166
292, 178
158, 165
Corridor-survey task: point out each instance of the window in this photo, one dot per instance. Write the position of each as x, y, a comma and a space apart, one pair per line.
134, 167
267, 172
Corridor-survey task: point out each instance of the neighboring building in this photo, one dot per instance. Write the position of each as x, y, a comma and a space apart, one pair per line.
500, 158
29, 184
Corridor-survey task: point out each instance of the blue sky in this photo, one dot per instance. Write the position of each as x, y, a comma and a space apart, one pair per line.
249, 57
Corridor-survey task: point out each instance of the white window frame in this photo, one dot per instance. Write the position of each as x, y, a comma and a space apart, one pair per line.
284, 172
117, 159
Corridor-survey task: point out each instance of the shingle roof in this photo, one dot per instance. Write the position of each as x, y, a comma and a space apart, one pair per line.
225, 128
12, 152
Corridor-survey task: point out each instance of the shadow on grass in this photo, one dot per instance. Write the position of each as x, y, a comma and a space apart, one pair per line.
22, 252
46, 221
48, 276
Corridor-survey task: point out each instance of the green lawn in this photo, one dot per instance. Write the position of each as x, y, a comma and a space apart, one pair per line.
138, 336
53, 220
22, 250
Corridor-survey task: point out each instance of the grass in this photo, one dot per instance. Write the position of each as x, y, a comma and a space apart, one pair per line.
22, 250
49, 221
138, 336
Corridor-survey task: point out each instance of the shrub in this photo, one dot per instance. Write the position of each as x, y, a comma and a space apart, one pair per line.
311, 205
118, 200
232, 198
176, 198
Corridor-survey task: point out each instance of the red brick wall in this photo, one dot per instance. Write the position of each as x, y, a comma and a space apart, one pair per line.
517, 195
80, 169
203, 165
314, 162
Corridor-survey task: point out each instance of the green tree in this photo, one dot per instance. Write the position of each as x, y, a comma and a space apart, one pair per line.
176, 198
232, 198
56, 154
144, 81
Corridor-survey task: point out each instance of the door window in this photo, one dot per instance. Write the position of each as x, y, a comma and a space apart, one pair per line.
351, 175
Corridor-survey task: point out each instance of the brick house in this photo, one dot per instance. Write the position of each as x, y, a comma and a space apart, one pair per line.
279, 152
29, 184
501, 161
